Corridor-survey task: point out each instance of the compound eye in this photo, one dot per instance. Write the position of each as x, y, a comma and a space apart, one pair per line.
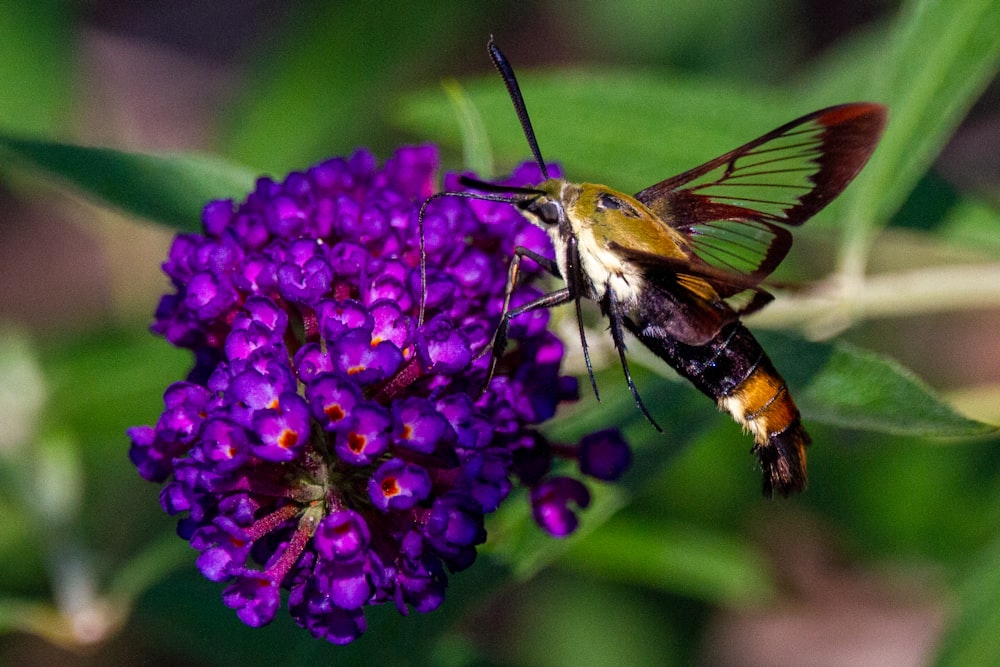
549, 212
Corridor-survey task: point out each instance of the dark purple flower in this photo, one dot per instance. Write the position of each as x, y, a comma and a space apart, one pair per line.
328, 441
332, 399
398, 485
418, 425
224, 548
311, 361
446, 349
551, 500
284, 430
223, 444
604, 455
254, 596
366, 436
342, 536
454, 528
306, 275
338, 317
322, 618
356, 353
389, 323
153, 448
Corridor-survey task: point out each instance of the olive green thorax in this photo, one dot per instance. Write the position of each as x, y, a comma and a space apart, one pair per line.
606, 215
604, 222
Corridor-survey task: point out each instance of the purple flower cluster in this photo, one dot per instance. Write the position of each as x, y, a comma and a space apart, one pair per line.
327, 435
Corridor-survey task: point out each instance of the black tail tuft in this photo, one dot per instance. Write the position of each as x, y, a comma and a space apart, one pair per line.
783, 460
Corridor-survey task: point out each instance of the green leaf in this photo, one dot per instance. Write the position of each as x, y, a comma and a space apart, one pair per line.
973, 223
739, 38
519, 544
941, 56
973, 638
170, 189
36, 617
676, 558
147, 567
628, 129
859, 389
843, 73
564, 620
478, 156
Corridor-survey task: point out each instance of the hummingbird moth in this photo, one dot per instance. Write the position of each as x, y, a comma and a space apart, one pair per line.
680, 262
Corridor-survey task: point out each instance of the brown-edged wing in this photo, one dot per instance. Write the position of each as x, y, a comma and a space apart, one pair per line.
733, 209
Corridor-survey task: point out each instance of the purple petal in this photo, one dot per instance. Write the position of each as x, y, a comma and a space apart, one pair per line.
398, 485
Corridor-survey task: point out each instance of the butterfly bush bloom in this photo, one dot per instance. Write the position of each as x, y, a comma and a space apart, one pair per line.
328, 443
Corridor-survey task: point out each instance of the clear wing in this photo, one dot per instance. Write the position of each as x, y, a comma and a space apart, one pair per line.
735, 209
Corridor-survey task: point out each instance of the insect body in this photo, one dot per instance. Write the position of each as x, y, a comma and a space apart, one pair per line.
678, 263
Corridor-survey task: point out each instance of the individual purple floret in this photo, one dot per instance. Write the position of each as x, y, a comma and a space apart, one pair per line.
604, 455
398, 485
551, 502
329, 443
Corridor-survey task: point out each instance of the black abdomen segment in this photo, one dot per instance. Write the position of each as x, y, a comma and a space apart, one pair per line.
733, 370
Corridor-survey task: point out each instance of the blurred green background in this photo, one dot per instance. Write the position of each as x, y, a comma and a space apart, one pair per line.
892, 557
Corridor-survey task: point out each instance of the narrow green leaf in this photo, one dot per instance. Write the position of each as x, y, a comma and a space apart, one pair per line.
170, 189
941, 56
859, 389
475, 139
676, 558
563, 620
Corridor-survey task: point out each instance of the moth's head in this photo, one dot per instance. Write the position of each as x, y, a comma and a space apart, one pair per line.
547, 208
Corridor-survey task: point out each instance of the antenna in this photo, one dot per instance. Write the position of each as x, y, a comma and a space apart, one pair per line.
509, 80
494, 194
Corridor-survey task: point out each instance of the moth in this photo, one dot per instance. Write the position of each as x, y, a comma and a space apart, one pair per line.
678, 263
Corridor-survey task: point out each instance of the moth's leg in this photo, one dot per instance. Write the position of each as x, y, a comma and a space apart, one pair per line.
499, 344
481, 196
617, 335
574, 281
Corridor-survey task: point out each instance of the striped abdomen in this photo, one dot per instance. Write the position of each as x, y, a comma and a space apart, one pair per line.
733, 369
